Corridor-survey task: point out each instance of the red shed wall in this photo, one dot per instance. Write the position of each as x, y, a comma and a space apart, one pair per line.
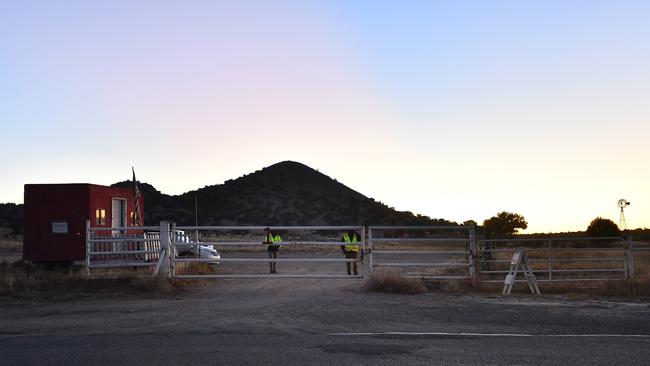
101, 198
73, 203
45, 203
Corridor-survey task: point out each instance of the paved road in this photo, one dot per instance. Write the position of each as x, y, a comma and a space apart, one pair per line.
272, 349
299, 322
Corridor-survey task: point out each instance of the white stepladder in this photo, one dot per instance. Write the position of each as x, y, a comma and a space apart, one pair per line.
520, 259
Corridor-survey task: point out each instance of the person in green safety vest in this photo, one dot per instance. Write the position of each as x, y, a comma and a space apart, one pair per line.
272, 247
351, 250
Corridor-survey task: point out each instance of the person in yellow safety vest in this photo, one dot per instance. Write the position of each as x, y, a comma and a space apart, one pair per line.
351, 250
271, 247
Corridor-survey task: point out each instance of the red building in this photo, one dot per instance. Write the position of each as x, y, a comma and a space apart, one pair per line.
56, 214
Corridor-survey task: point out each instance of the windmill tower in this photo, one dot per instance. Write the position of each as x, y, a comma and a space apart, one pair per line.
622, 203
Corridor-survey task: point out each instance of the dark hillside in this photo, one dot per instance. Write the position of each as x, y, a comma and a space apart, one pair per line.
11, 217
286, 193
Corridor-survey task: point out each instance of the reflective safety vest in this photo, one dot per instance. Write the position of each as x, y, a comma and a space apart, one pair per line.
351, 247
272, 239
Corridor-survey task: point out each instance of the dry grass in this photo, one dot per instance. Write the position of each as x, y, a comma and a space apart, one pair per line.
21, 279
393, 282
195, 268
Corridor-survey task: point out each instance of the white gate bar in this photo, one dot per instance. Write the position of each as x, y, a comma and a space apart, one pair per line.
257, 228
511, 250
126, 252
611, 259
420, 240
438, 264
551, 239
561, 280
418, 227
274, 275
121, 264
225, 243
567, 270
439, 277
265, 260
115, 239
422, 252
250, 243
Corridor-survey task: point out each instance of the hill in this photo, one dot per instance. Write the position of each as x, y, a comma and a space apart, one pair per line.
286, 193
11, 218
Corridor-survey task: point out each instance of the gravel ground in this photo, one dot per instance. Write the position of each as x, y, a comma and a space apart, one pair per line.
298, 322
321, 322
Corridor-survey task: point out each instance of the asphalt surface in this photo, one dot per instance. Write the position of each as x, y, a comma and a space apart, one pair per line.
321, 322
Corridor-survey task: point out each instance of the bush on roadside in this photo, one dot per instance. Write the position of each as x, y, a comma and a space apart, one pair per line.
393, 282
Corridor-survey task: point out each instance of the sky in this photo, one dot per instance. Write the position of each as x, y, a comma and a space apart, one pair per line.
450, 109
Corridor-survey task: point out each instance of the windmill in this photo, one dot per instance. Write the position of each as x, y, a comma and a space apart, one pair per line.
622, 203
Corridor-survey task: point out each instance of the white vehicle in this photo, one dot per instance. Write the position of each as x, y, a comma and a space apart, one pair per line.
185, 247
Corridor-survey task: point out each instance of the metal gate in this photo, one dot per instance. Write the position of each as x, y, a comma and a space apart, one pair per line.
559, 259
432, 252
242, 245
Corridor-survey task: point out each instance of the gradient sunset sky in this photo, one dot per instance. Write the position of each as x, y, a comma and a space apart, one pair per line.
452, 109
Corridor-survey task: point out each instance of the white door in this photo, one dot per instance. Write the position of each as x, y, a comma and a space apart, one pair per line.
118, 214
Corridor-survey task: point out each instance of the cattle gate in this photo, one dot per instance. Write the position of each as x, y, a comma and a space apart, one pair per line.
293, 237
431, 252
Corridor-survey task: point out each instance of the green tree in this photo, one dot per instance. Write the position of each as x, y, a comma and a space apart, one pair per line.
504, 224
600, 227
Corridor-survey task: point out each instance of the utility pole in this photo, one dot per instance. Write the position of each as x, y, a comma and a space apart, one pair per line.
196, 223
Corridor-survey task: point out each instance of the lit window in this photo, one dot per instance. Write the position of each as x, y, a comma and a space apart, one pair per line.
132, 218
100, 216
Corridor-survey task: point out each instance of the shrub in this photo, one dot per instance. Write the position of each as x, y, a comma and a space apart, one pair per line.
601, 227
394, 282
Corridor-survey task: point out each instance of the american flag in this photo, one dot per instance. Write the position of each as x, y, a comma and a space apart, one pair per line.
136, 193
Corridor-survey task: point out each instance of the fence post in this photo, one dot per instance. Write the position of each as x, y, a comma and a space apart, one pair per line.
550, 262
472, 253
629, 255
172, 249
364, 262
88, 247
370, 249
165, 250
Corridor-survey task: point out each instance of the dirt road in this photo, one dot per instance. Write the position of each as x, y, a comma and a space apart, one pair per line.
299, 322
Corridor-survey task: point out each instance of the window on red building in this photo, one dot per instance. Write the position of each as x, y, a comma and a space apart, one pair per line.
100, 216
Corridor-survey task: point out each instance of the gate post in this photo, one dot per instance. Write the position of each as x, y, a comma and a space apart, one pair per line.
472, 253
629, 257
89, 247
370, 250
364, 262
165, 252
